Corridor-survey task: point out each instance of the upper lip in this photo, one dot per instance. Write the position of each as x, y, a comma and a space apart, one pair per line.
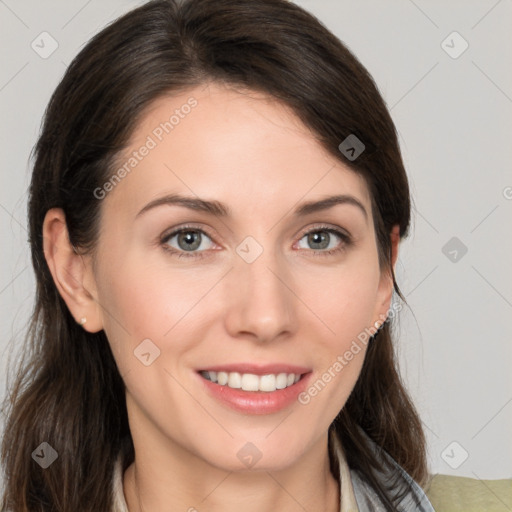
257, 369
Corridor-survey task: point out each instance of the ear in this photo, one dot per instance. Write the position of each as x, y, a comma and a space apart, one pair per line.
385, 291
71, 272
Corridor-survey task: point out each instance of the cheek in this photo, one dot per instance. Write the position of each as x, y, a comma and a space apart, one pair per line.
344, 302
344, 299
141, 300
346, 305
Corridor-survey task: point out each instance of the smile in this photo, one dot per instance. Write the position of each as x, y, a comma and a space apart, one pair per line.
250, 381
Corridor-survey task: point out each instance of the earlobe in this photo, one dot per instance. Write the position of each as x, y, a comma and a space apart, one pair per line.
69, 271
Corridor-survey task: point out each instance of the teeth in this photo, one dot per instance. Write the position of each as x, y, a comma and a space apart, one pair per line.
251, 382
235, 380
267, 383
281, 381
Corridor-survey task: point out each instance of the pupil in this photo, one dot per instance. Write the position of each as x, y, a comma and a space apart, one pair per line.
191, 239
319, 238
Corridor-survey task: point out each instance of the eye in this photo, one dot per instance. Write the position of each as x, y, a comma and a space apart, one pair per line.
192, 242
325, 240
187, 240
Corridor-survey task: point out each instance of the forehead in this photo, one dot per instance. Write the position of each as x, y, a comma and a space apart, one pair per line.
242, 148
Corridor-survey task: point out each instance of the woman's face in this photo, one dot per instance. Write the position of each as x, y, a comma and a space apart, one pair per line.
257, 284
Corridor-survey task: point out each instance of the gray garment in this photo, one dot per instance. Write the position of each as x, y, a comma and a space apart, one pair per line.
413, 500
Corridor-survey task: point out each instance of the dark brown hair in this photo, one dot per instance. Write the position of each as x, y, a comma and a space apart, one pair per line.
68, 390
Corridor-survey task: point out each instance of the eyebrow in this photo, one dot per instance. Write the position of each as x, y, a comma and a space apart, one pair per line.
221, 210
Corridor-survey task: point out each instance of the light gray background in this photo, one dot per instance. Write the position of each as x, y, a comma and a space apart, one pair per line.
454, 117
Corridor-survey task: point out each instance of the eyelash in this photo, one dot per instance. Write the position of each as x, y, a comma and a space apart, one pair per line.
346, 241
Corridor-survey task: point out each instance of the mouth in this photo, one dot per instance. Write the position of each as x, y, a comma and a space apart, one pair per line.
252, 382
255, 388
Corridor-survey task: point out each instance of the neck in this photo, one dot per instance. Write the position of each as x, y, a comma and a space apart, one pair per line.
309, 485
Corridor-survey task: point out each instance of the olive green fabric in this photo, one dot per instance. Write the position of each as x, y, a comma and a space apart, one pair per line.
460, 494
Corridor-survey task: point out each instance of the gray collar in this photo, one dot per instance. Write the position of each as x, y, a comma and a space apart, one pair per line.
414, 498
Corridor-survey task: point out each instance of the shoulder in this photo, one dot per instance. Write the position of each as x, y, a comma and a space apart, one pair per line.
463, 494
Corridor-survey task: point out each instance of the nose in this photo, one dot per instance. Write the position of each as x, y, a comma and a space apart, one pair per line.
261, 302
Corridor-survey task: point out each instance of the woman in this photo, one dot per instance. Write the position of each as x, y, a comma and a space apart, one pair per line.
215, 211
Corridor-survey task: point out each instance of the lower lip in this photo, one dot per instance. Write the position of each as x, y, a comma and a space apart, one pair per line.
256, 402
